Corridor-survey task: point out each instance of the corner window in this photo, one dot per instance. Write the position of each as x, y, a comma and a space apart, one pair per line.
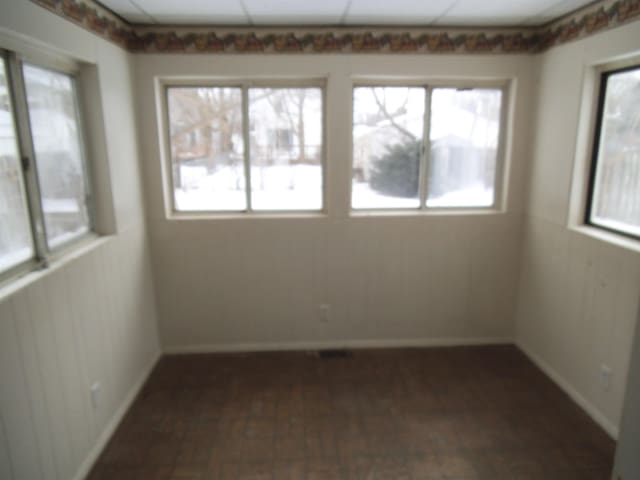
16, 245
246, 148
614, 190
57, 148
425, 147
44, 191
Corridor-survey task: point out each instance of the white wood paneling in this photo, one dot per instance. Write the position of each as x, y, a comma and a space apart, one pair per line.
46, 351
58, 336
73, 381
627, 461
33, 378
15, 403
387, 277
578, 294
576, 312
82, 320
6, 470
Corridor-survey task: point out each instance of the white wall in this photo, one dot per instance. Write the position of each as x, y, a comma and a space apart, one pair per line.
256, 283
578, 295
627, 461
91, 316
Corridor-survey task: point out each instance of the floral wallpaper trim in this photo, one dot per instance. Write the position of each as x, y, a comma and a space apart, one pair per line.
154, 39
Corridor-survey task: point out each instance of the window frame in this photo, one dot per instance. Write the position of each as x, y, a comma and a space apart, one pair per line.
244, 84
601, 89
498, 204
42, 253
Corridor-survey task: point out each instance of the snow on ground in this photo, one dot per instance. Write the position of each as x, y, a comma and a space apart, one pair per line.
278, 187
14, 257
60, 205
363, 197
474, 196
65, 237
617, 225
297, 187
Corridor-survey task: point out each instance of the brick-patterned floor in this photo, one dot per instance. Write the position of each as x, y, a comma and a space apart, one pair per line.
445, 413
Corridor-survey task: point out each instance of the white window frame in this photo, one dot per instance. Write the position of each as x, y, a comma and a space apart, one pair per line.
595, 151
583, 158
162, 87
499, 180
42, 253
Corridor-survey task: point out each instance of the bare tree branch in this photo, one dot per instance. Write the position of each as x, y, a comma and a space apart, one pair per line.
388, 116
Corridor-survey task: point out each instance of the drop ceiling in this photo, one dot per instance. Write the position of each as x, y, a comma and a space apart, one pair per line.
477, 13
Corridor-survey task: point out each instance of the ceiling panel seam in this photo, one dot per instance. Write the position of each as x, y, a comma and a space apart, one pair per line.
143, 11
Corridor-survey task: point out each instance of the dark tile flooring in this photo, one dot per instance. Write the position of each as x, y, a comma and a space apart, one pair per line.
442, 413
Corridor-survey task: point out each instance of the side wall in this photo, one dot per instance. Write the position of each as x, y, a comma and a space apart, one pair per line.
627, 462
578, 295
410, 279
91, 316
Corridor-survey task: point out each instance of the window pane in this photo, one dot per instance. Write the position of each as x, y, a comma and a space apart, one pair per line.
285, 131
56, 141
464, 135
15, 232
616, 191
207, 150
388, 124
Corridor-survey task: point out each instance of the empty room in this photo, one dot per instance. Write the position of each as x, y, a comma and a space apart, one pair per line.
349, 239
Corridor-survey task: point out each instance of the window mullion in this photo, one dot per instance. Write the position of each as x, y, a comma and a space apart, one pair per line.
501, 166
424, 157
247, 143
29, 168
86, 165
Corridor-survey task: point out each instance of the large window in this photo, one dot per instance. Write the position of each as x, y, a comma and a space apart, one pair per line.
614, 194
44, 194
241, 148
425, 147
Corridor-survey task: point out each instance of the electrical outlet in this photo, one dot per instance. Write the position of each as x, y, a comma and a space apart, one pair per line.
605, 377
323, 310
95, 390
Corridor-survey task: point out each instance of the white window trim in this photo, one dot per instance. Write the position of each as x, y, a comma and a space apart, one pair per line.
583, 158
502, 164
162, 86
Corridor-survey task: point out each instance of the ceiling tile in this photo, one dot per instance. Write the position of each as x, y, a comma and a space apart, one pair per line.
488, 21
126, 10
216, 12
410, 12
506, 12
295, 12
356, 12
563, 7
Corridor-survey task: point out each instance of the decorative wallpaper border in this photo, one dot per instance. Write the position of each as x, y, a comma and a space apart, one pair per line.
603, 15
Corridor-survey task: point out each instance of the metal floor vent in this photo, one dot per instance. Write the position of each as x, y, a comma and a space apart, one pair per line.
336, 353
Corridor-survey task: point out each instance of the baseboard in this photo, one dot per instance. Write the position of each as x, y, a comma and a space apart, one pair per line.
576, 396
319, 345
110, 428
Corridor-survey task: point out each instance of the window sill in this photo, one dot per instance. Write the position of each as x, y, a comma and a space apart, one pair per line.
608, 237
284, 215
78, 249
425, 213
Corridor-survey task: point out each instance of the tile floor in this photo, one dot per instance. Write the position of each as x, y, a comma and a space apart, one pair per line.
444, 413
